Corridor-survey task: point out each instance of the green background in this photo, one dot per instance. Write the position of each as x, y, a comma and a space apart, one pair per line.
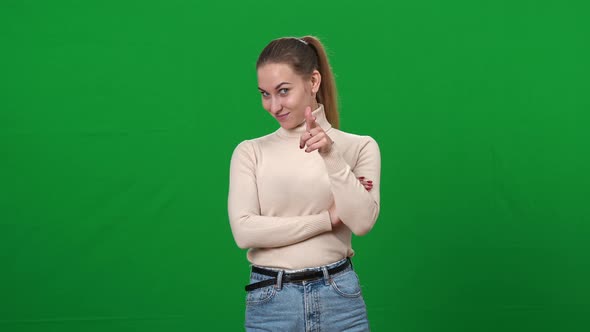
118, 120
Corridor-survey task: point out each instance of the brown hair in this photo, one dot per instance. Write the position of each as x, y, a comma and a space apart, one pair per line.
305, 55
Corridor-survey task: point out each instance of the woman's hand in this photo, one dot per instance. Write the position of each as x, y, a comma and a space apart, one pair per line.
314, 137
368, 184
333, 217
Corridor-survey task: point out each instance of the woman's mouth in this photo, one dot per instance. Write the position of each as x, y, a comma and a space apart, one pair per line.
282, 117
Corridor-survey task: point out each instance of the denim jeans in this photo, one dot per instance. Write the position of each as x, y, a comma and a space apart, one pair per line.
332, 303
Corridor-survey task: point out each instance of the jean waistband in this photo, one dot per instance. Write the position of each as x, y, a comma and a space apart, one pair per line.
307, 269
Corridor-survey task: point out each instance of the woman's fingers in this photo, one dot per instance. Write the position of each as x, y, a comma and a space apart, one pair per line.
368, 184
304, 138
309, 119
314, 140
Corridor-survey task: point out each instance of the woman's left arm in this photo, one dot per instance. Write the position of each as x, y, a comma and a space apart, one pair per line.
357, 207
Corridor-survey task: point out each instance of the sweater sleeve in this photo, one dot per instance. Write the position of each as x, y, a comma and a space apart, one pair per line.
252, 230
357, 208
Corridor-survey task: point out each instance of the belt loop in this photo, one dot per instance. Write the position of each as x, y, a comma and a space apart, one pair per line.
350, 262
326, 276
279, 284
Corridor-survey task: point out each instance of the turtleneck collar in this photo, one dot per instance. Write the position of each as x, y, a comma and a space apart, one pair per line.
320, 118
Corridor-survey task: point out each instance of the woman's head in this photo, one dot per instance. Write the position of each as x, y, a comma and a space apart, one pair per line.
294, 73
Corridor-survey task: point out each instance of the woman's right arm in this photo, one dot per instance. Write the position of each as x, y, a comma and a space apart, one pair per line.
252, 230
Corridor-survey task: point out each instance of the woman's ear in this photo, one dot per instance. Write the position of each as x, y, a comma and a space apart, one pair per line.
316, 80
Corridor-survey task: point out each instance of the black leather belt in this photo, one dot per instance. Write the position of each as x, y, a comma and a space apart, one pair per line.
292, 277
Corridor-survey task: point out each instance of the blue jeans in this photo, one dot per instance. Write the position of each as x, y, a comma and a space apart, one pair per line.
332, 303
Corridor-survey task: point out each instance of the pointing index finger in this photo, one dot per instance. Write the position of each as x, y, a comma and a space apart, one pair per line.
309, 119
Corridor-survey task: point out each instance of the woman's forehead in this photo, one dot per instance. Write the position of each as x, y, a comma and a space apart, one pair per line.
275, 73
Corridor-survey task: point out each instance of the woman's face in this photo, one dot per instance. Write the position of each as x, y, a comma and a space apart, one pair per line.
286, 94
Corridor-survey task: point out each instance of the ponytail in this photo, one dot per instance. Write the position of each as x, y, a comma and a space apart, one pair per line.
305, 55
327, 94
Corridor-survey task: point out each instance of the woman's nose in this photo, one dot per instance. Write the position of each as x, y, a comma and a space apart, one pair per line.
275, 106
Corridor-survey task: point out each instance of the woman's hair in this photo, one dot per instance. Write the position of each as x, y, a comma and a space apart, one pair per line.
304, 55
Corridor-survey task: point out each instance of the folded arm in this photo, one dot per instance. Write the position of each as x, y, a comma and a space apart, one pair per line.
357, 207
249, 227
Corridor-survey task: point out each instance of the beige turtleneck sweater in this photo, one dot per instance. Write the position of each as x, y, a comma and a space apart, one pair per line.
279, 196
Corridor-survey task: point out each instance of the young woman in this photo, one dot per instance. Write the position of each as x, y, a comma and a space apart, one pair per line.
297, 195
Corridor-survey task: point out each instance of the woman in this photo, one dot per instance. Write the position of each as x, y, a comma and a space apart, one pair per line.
297, 195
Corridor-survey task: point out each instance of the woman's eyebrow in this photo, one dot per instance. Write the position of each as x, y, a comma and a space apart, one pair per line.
280, 84
276, 88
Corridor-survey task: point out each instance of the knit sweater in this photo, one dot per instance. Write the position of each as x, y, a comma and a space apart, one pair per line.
279, 196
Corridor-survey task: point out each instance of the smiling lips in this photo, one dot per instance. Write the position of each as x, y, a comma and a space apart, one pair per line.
282, 117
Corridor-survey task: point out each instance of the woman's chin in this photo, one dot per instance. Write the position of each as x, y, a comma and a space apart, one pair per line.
287, 125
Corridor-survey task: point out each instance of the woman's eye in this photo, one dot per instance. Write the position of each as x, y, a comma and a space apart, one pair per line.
264, 93
283, 91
